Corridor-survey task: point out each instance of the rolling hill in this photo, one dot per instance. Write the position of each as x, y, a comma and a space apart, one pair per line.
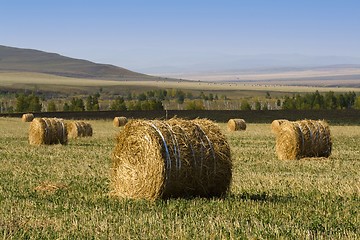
35, 61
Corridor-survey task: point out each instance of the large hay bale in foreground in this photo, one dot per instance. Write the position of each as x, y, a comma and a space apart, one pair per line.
78, 129
276, 125
301, 139
27, 117
119, 121
236, 124
47, 131
173, 158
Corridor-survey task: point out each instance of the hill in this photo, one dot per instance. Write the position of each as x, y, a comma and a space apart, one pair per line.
29, 60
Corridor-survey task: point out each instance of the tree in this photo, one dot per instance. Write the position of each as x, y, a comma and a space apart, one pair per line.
257, 105
156, 105
245, 105
51, 107
195, 105
265, 107
118, 104
330, 100
141, 97
289, 103
66, 107
134, 105
180, 98
28, 103
92, 103
77, 104
357, 103
34, 104
22, 104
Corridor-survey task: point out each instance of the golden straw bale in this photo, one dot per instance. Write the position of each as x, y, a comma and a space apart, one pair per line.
236, 124
47, 131
120, 121
173, 158
305, 138
79, 129
27, 117
276, 125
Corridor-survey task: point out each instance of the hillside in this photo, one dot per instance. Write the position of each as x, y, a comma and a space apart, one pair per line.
29, 60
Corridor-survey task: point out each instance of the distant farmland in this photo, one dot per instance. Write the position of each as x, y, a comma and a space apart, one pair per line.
46, 82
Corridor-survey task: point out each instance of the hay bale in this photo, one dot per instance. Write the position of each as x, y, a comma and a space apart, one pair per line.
305, 138
120, 121
236, 124
78, 129
27, 117
276, 125
47, 131
173, 158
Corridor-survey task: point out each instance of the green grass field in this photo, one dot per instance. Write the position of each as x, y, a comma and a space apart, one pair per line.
61, 192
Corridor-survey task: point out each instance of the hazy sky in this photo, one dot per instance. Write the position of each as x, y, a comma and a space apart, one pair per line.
143, 33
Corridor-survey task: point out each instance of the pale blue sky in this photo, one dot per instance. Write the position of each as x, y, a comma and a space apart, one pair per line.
137, 34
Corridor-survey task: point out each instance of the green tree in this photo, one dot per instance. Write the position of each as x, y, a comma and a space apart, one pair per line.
180, 99
34, 104
330, 100
156, 105
194, 105
134, 105
92, 103
28, 103
257, 105
51, 107
118, 104
66, 107
265, 107
22, 104
77, 105
357, 103
141, 97
245, 105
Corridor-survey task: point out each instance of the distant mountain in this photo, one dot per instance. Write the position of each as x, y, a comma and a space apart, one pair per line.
29, 60
215, 63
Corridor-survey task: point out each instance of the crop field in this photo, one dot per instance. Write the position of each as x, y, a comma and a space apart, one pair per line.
61, 192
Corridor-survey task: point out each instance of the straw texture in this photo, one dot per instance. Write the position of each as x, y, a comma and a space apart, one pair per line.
276, 125
27, 117
174, 158
47, 131
236, 124
303, 139
78, 129
119, 121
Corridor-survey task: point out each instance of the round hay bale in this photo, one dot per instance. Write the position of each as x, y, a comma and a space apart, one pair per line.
27, 117
78, 129
276, 125
305, 138
120, 121
47, 131
173, 158
236, 124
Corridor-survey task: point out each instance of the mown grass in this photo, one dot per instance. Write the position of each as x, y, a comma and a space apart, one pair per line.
62, 192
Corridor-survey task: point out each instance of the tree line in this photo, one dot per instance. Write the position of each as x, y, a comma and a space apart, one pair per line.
329, 100
154, 100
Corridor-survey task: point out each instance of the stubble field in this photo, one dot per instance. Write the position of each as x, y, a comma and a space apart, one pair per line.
58, 192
